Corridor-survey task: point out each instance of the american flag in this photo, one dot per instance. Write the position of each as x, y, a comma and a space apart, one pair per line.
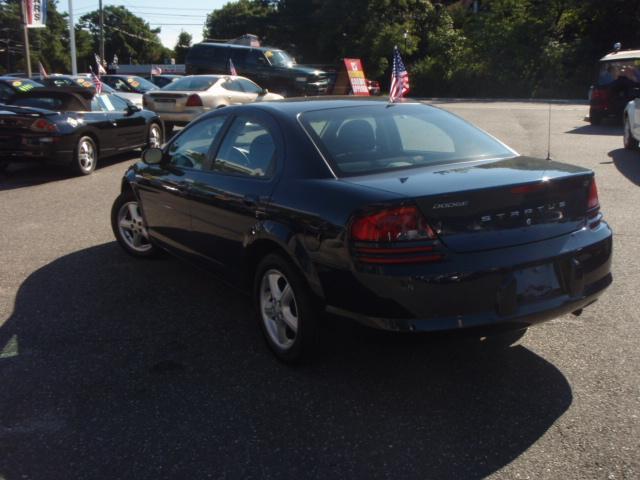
399, 78
232, 68
96, 82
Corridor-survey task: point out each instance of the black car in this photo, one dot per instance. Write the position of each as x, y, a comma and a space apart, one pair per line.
401, 216
128, 83
9, 86
71, 125
271, 68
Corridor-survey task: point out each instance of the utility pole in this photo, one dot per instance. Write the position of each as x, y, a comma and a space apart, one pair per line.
102, 57
25, 34
72, 40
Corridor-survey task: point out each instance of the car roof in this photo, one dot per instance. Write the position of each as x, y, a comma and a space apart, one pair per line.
294, 106
622, 55
262, 48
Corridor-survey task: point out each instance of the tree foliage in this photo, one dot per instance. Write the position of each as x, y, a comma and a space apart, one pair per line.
182, 46
520, 48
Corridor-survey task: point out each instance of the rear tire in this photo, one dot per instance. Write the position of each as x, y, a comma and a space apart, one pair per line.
286, 309
154, 136
129, 227
630, 143
595, 118
85, 156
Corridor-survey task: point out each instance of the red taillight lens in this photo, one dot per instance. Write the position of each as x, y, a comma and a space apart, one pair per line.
43, 125
392, 225
194, 101
600, 95
593, 203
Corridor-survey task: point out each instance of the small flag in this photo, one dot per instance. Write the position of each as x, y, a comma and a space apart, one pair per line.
232, 68
96, 82
43, 72
399, 78
155, 70
101, 70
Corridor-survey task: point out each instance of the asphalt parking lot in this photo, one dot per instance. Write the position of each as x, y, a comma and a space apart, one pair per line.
112, 367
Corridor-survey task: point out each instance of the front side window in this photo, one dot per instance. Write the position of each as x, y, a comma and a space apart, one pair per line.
190, 148
369, 139
232, 86
248, 86
247, 150
118, 103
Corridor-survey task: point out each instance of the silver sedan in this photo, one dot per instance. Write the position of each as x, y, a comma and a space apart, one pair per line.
183, 100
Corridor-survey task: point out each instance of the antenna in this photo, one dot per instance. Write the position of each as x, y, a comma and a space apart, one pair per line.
549, 133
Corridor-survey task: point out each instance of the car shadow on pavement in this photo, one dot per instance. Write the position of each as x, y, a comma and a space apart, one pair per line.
113, 367
627, 162
613, 128
28, 174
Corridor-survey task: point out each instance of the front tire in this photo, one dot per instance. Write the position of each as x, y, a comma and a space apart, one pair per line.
129, 227
85, 156
595, 118
630, 143
286, 309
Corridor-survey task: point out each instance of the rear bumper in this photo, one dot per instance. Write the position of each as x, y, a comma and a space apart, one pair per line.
478, 290
33, 147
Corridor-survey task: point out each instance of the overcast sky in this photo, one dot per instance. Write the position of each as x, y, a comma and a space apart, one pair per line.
171, 17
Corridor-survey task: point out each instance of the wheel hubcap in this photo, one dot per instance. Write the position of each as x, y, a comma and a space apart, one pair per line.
86, 155
278, 308
154, 137
131, 227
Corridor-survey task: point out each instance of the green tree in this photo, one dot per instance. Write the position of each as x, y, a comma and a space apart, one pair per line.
126, 35
182, 46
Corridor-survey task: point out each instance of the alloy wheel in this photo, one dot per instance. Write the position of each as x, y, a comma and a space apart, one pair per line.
132, 229
86, 155
278, 309
154, 136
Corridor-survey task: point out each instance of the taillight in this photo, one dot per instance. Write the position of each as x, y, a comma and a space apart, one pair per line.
43, 125
600, 95
593, 203
194, 101
394, 236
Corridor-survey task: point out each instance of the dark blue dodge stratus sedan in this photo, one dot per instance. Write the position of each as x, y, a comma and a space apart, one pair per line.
401, 216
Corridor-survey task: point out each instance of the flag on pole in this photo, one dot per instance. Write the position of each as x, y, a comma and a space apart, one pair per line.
399, 78
43, 72
101, 70
232, 68
155, 70
96, 82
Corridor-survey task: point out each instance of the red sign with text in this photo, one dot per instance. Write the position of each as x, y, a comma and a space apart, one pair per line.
356, 76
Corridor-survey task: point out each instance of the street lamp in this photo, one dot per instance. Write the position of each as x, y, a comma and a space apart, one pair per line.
405, 35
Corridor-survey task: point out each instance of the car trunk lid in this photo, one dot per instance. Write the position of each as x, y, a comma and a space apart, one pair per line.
484, 205
169, 101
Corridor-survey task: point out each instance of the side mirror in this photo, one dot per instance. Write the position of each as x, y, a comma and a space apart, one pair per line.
264, 91
152, 156
131, 109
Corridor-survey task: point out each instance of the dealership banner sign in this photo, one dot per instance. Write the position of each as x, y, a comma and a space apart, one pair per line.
356, 76
36, 13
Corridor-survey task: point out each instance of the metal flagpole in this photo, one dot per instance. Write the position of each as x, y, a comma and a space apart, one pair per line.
25, 34
72, 40
102, 57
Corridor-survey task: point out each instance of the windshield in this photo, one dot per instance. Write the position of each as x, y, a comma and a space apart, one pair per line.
195, 83
371, 139
139, 84
279, 58
23, 85
611, 71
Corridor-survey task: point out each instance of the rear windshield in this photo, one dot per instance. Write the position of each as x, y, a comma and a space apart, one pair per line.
628, 69
370, 139
23, 85
59, 103
196, 83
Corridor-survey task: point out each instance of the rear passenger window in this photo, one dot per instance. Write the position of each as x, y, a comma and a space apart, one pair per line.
247, 150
